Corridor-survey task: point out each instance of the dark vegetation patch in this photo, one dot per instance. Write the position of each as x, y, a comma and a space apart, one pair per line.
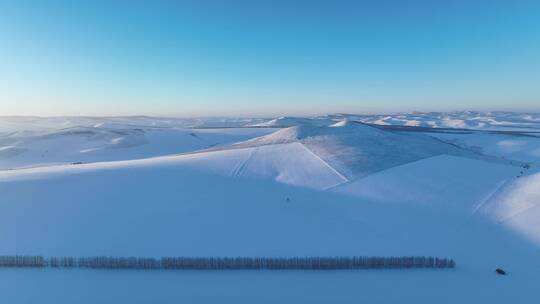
224, 263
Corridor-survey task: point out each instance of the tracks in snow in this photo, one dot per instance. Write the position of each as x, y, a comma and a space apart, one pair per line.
240, 168
345, 179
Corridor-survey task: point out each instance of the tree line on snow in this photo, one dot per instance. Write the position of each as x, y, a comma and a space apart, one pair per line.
219, 263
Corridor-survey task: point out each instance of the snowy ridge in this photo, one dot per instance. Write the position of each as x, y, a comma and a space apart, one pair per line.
287, 163
480, 120
20, 149
460, 119
294, 121
355, 149
307, 155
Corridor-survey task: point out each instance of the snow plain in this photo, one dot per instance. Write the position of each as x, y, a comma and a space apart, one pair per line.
290, 186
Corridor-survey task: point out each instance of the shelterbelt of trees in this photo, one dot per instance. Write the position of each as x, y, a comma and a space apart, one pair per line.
225, 263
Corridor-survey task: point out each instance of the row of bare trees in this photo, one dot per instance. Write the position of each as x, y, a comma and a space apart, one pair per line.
306, 263
216, 263
22, 261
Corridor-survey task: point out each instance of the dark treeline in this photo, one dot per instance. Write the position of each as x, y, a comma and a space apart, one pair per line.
201, 263
306, 263
22, 261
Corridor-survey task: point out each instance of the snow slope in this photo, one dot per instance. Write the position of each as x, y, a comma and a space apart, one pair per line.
524, 148
287, 163
105, 143
459, 119
31, 123
453, 184
165, 207
480, 120
332, 188
517, 206
356, 150
285, 122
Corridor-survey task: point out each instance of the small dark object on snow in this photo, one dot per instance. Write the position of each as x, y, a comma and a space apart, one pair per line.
500, 271
77, 163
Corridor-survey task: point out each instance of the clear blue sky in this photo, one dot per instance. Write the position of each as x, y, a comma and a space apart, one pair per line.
265, 58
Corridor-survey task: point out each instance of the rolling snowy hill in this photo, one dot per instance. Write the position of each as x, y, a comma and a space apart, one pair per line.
105, 142
333, 188
355, 150
516, 205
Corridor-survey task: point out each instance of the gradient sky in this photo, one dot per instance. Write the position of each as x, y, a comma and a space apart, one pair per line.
265, 58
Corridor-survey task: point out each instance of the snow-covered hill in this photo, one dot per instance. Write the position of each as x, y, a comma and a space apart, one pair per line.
169, 206
284, 122
516, 205
355, 150
460, 119
105, 142
450, 183
335, 188
480, 120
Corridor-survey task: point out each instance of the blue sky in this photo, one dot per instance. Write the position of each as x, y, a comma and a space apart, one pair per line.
266, 58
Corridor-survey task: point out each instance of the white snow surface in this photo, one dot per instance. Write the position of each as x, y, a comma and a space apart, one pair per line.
294, 121
29, 147
447, 182
355, 149
324, 186
459, 119
480, 120
517, 206
524, 148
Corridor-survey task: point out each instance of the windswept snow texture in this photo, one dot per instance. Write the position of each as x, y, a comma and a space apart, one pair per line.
286, 163
464, 185
284, 122
356, 150
524, 148
463, 119
452, 183
30, 146
17, 123
517, 205
477, 120
165, 207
